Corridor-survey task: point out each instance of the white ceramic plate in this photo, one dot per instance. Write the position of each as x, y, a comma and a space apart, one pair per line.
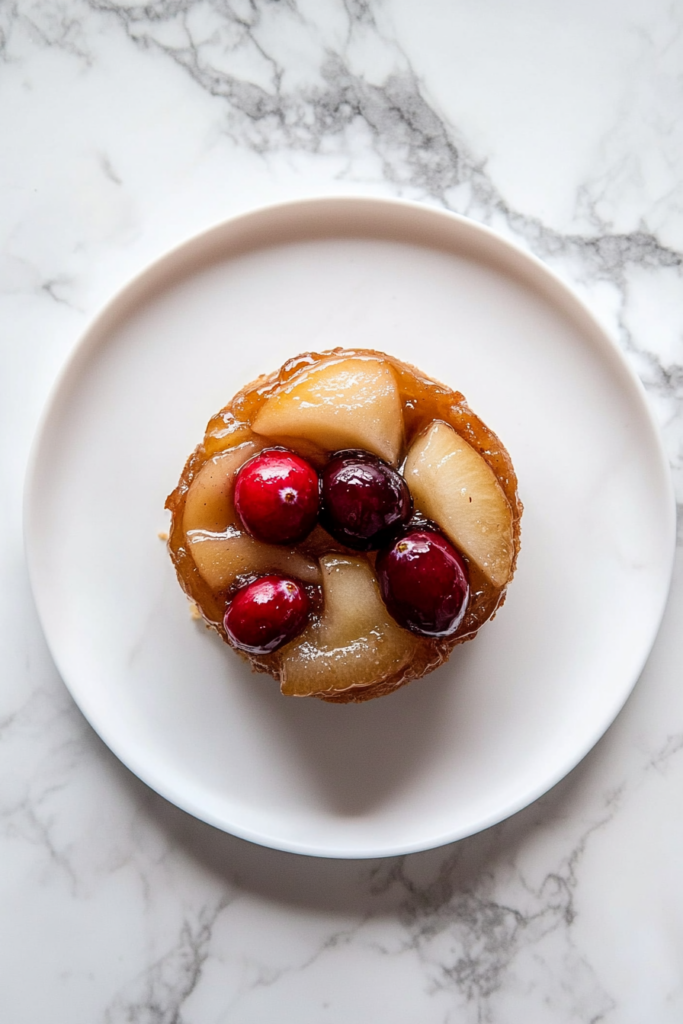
512, 712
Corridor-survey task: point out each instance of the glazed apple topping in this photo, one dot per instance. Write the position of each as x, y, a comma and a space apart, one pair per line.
209, 504
339, 403
274, 494
222, 560
353, 643
454, 486
220, 547
309, 476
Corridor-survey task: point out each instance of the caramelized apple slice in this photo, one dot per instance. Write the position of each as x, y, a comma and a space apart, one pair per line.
209, 504
221, 550
221, 560
453, 485
354, 644
339, 403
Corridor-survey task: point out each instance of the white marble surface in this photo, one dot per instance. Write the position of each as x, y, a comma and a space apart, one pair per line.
126, 128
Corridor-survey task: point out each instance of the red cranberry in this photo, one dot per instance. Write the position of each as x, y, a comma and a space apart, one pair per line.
364, 500
266, 614
277, 494
424, 583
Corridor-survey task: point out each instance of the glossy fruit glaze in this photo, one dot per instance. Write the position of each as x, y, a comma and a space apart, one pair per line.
422, 400
423, 582
266, 613
277, 495
364, 500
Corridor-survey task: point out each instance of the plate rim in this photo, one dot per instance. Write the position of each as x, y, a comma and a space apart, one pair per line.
139, 284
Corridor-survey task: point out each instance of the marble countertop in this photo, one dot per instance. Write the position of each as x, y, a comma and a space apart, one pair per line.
127, 128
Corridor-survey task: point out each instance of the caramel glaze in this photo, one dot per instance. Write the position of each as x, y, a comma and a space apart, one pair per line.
424, 400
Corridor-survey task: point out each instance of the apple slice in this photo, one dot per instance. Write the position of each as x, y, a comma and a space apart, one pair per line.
209, 504
221, 550
354, 644
339, 403
453, 485
222, 559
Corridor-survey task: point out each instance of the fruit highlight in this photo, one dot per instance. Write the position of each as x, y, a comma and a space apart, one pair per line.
364, 500
277, 495
266, 614
424, 584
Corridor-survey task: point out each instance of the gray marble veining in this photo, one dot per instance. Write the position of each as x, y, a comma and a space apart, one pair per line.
128, 127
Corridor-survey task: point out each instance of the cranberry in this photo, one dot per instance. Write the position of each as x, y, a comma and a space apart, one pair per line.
364, 500
277, 494
424, 583
265, 614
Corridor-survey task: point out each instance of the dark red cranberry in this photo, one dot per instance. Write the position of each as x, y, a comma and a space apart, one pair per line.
277, 495
424, 583
364, 500
266, 614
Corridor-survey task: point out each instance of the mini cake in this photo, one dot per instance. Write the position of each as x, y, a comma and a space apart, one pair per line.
345, 523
